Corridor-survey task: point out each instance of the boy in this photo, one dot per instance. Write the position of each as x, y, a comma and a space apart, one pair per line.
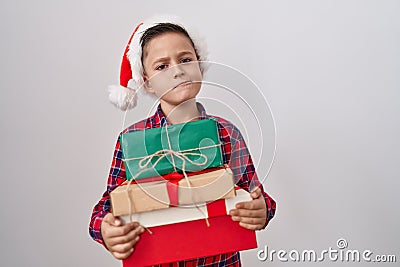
164, 57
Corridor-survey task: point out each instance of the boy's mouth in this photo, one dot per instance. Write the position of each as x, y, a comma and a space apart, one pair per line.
183, 84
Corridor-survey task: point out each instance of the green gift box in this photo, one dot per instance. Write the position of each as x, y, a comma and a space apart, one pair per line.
191, 146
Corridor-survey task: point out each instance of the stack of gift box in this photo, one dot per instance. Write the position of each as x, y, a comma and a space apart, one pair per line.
179, 189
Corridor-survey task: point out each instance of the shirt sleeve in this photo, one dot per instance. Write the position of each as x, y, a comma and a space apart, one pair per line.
244, 172
117, 175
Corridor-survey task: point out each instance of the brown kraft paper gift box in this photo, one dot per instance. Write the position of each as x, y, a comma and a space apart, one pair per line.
155, 195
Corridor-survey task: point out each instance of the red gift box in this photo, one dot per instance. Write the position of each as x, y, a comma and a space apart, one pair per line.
193, 239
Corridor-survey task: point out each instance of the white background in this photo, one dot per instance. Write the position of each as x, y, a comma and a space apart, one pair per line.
330, 70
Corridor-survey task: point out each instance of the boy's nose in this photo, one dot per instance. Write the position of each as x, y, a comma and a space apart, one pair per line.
178, 71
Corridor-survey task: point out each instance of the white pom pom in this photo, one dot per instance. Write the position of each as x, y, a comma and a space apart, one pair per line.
122, 97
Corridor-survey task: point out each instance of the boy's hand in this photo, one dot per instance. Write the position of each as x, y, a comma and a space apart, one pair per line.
251, 214
120, 239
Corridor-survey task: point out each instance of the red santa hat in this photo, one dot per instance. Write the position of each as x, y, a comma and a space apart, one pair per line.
124, 95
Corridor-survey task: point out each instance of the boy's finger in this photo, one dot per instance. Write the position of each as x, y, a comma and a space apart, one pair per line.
122, 248
116, 222
250, 205
247, 213
256, 193
250, 226
132, 235
108, 218
122, 256
115, 231
249, 220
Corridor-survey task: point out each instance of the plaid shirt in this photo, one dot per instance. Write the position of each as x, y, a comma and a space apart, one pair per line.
235, 154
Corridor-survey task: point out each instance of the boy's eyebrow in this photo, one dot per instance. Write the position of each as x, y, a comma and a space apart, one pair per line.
184, 52
159, 60
165, 58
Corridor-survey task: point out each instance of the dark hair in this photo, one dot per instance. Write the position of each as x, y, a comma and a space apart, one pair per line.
162, 28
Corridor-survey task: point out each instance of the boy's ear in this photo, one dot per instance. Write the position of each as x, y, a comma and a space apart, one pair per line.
147, 84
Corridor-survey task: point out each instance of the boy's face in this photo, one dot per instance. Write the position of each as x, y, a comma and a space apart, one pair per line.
172, 72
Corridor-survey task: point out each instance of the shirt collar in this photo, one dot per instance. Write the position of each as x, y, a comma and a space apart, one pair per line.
159, 119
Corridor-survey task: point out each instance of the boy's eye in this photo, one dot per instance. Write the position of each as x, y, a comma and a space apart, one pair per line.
185, 60
161, 67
